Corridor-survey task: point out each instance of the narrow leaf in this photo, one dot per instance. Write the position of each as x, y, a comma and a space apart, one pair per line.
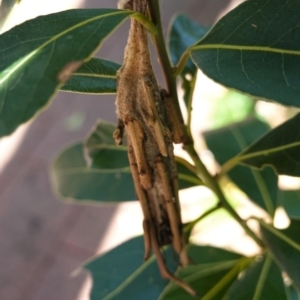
255, 49
285, 248
97, 76
121, 273
227, 142
279, 148
211, 266
184, 33
262, 280
38, 57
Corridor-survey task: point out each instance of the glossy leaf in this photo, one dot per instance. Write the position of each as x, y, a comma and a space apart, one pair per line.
279, 149
290, 201
97, 76
101, 144
73, 179
285, 248
213, 272
122, 274
255, 49
38, 56
184, 33
227, 142
262, 280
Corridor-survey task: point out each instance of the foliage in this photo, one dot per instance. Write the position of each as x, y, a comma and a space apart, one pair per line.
253, 49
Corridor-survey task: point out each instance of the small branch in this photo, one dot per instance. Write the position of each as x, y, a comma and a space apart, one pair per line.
182, 62
214, 186
170, 78
189, 105
145, 22
160, 45
188, 227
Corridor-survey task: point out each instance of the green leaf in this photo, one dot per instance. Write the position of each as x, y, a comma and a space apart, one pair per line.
97, 76
232, 107
73, 179
227, 142
285, 248
100, 145
290, 201
262, 280
99, 170
38, 56
255, 49
279, 149
213, 272
184, 33
121, 273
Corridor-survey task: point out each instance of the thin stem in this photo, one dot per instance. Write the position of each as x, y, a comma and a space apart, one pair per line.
189, 105
145, 22
182, 62
158, 38
214, 186
187, 165
188, 227
170, 78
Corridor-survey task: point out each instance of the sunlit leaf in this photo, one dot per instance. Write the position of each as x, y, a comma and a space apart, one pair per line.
227, 142
232, 107
279, 148
262, 280
122, 274
184, 33
285, 248
38, 57
97, 76
255, 48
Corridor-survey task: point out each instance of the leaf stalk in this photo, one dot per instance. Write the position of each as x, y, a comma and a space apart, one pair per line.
170, 79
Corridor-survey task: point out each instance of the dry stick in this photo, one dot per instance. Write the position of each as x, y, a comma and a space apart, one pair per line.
141, 109
142, 198
163, 269
170, 205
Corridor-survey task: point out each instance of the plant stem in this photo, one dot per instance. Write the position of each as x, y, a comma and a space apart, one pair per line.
214, 186
145, 22
170, 78
159, 41
188, 227
190, 105
182, 62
